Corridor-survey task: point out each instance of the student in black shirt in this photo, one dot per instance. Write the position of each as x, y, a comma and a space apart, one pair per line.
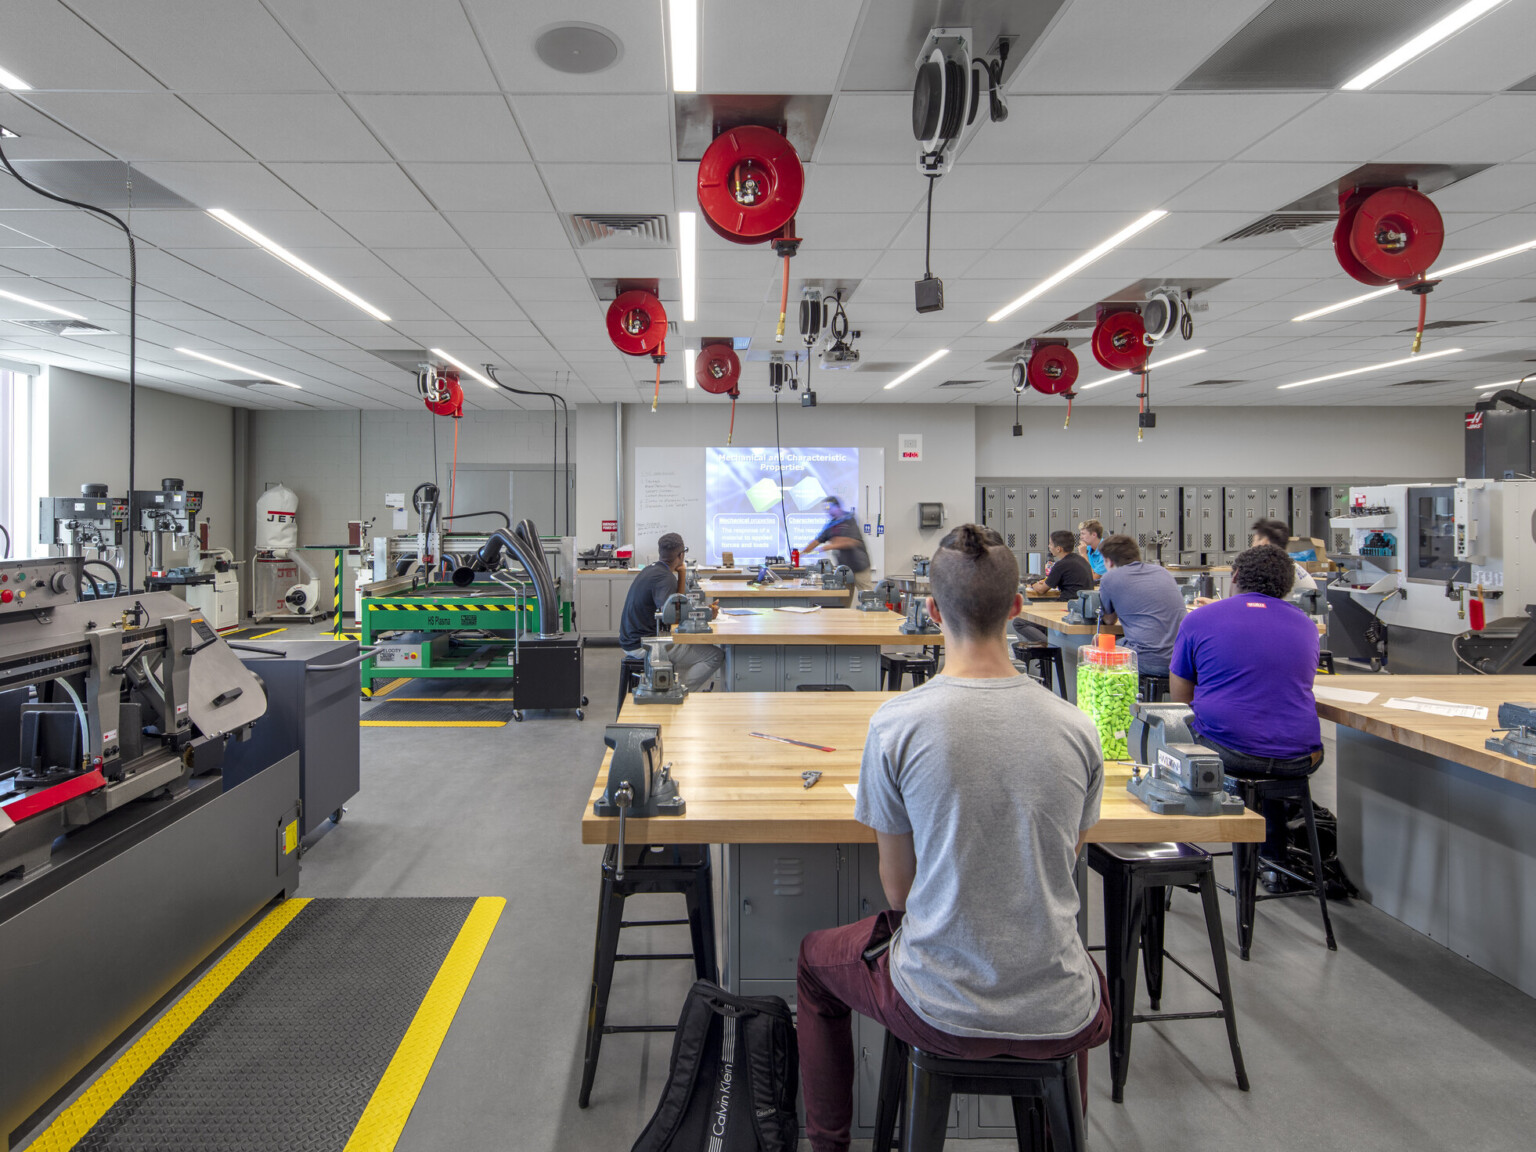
1070, 574
695, 664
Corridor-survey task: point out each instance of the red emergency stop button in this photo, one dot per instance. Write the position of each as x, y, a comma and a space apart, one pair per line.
7, 596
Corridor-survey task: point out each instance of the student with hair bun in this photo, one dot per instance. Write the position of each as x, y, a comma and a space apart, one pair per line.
979, 785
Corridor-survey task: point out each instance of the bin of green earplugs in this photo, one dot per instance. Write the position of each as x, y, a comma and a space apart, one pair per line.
1106, 690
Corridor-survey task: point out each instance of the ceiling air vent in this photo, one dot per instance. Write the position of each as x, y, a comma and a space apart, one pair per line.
962, 384
1068, 326
65, 327
596, 230
1282, 230
1215, 383
1435, 325
1413, 383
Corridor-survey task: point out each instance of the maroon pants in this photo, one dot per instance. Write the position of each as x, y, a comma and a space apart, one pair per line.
835, 979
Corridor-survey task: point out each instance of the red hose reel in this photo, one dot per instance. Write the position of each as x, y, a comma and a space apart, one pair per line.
637, 324
1390, 236
718, 370
1117, 339
444, 396
1052, 369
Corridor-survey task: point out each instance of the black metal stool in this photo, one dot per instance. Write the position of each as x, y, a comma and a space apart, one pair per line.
1325, 663
1047, 659
1045, 1094
1151, 688
1266, 795
1135, 877
895, 665
631, 668
647, 869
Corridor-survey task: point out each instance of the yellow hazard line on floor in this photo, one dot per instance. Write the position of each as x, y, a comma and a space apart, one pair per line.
433, 723
264, 635
75, 1121
452, 700
390, 687
390, 1107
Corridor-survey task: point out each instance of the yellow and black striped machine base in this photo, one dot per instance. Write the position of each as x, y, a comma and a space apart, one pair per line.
314, 1033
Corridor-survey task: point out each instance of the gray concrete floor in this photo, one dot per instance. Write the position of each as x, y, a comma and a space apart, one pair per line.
1391, 1043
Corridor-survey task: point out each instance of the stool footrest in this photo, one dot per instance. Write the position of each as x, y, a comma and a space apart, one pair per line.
1154, 1017
611, 1029
1195, 976
649, 923
654, 956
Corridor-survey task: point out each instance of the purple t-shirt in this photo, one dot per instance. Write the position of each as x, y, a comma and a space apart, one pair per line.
1252, 659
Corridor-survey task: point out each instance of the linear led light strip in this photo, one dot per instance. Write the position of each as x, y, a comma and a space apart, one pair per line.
688, 262
1422, 43
234, 223
918, 367
239, 368
1373, 368
30, 303
1080, 263
690, 357
14, 82
463, 367
1150, 368
1436, 274
1500, 384
684, 19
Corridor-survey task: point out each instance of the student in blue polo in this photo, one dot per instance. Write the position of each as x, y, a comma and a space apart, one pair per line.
1089, 535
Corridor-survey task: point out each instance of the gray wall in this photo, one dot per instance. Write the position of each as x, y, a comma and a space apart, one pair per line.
947, 472
1250, 443
342, 463
192, 439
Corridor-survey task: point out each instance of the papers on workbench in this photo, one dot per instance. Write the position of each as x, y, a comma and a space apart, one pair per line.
853, 790
801, 608
1342, 695
1439, 707
738, 611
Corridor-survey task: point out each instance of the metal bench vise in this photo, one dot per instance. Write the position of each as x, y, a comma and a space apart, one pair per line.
1172, 774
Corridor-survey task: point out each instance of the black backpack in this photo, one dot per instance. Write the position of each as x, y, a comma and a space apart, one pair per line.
1299, 855
733, 1078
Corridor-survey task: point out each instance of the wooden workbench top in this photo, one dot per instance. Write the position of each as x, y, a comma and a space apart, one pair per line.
1453, 738
741, 590
743, 790
1050, 615
825, 626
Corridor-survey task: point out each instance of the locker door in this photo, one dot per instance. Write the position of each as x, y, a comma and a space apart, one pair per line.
1098, 508
803, 664
1144, 520
1211, 520
786, 891
1189, 539
1077, 507
1338, 505
1170, 517
990, 514
1277, 504
1013, 514
1301, 511
1035, 531
1057, 512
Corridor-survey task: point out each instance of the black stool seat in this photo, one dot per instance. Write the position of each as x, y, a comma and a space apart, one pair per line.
895, 665
1136, 879
1269, 795
1043, 661
631, 668
1325, 662
683, 869
1047, 1098
1152, 688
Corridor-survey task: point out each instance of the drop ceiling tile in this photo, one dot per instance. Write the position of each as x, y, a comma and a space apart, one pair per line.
509, 229
398, 229
41, 137
52, 48
841, 187
850, 230
814, 263
481, 187
1499, 129
1492, 54
140, 125
353, 187
1254, 187
509, 32
1357, 126
263, 125
50, 263
1055, 129
1135, 188
631, 129
1207, 125
432, 262
661, 263
976, 231
298, 231
444, 128
870, 128
207, 46
62, 227
812, 65
389, 45
1503, 188
534, 263
548, 288
239, 187
636, 188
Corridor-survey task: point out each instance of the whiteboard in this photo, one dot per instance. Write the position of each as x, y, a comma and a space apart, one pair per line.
669, 497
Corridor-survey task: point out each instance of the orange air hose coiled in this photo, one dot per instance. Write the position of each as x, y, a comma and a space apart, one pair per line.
778, 336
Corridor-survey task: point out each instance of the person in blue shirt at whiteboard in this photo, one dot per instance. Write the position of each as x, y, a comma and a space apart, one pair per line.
1090, 533
843, 537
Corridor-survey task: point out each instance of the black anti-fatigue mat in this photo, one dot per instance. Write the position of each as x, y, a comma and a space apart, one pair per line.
287, 1057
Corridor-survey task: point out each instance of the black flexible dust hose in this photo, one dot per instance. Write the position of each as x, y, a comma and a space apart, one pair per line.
488, 559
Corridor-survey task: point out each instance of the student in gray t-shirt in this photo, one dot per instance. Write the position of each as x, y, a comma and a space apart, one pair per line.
979, 785
1144, 599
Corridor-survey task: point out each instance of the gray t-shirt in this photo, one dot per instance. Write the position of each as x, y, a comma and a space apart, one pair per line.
995, 779
1147, 600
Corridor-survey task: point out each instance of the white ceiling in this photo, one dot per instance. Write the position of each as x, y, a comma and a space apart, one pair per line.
419, 152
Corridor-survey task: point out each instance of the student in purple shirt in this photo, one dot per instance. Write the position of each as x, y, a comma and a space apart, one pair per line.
1245, 665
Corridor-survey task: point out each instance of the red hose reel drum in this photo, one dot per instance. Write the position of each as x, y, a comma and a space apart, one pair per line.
637, 323
1388, 235
718, 369
750, 184
1117, 341
450, 400
1052, 369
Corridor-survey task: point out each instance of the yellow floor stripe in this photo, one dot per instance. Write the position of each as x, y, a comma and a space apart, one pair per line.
264, 635
452, 700
434, 723
78, 1119
390, 1107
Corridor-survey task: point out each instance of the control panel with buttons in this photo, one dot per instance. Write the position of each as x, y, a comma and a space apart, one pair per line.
38, 585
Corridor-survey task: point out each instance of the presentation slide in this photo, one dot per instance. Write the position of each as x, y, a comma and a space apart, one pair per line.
752, 494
